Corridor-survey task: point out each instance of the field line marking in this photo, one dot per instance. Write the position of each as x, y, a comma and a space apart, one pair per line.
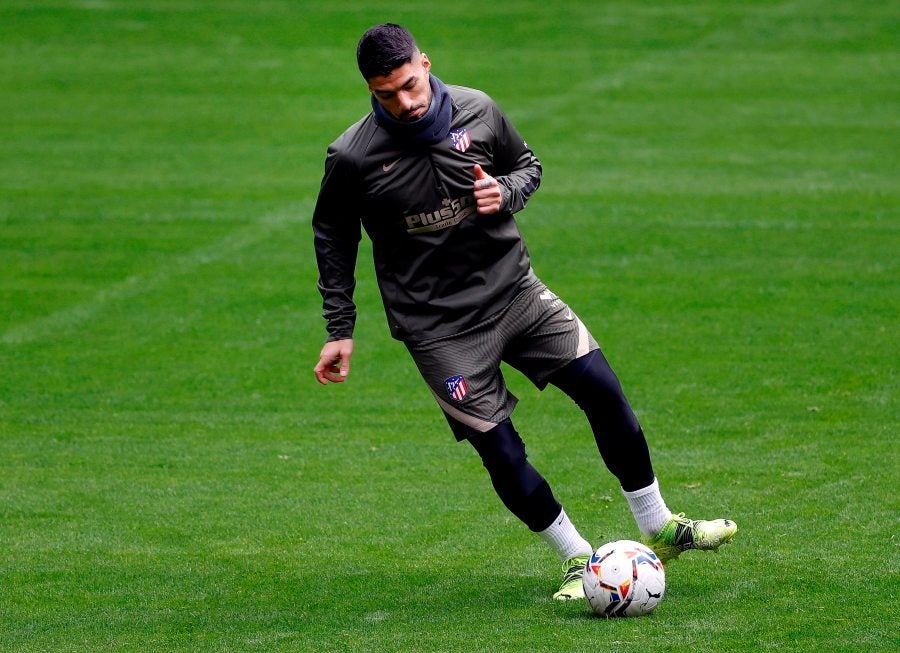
137, 284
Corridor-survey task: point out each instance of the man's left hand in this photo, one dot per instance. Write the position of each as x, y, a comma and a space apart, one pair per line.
488, 197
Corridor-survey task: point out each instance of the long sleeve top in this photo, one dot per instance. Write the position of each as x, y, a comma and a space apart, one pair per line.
441, 267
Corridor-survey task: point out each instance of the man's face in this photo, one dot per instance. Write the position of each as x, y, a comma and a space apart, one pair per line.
405, 92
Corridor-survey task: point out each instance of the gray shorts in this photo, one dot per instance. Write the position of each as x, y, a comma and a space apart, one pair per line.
537, 334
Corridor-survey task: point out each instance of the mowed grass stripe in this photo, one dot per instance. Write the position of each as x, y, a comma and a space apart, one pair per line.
75, 315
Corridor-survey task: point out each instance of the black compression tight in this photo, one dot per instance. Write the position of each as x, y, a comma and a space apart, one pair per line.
519, 485
591, 383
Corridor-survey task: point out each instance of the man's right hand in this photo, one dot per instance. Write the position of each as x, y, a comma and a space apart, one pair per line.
334, 361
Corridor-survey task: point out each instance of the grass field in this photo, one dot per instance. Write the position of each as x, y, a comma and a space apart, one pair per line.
720, 205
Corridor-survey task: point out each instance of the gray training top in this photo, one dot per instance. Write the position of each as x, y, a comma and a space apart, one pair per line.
441, 267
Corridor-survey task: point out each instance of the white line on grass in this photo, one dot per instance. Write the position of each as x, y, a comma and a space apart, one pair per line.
71, 316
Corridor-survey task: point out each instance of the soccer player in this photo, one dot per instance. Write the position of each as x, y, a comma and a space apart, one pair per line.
434, 173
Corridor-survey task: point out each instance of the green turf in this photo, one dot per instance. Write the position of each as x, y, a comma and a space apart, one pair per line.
720, 205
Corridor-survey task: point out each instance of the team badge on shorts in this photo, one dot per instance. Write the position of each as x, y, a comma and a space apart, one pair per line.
456, 387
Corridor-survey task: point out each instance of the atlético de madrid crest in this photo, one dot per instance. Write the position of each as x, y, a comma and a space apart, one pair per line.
456, 387
459, 139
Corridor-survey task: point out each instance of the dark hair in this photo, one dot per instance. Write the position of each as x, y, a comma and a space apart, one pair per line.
384, 48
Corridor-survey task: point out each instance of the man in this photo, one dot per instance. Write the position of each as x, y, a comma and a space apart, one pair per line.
435, 173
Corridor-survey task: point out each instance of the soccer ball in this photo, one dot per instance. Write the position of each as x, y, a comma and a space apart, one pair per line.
624, 579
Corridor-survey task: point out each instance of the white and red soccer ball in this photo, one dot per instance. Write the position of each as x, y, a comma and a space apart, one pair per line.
624, 579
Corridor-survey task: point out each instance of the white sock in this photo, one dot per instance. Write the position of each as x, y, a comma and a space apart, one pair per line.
649, 509
565, 539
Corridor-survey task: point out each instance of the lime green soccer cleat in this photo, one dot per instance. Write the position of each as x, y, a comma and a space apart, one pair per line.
680, 534
571, 587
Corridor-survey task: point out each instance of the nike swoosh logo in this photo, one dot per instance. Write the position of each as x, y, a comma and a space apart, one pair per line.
387, 166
